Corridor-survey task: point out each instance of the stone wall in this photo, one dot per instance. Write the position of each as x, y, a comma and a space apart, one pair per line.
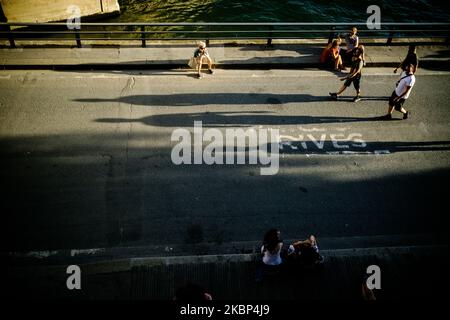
54, 10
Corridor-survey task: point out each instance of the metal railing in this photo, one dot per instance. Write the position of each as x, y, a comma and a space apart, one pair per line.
144, 32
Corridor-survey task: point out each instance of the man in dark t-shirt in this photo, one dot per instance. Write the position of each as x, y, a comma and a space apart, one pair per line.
411, 58
354, 76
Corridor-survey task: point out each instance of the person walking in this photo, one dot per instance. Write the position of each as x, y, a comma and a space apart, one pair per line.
354, 76
401, 93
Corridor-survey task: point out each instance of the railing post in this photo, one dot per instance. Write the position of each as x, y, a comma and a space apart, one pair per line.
143, 37
78, 39
207, 36
332, 35
269, 40
10, 37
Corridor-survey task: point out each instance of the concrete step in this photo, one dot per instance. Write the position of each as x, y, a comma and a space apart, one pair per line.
406, 272
92, 255
248, 56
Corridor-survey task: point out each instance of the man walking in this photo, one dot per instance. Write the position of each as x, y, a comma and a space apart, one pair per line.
354, 76
401, 93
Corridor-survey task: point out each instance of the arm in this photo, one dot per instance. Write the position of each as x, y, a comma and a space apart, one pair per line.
353, 74
356, 71
279, 246
399, 66
335, 54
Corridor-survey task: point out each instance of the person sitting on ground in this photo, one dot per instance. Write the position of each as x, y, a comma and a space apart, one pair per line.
331, 57
305, 252
271, 248
352, 41
335, 55
411, 58
201, 55
271, 251
325, 55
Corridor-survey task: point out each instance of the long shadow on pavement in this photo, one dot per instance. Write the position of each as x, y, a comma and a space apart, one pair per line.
193, 99
232, 119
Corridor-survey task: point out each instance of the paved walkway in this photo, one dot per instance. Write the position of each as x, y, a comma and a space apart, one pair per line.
165, 56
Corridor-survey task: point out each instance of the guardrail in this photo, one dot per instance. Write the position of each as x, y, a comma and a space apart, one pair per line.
214, 31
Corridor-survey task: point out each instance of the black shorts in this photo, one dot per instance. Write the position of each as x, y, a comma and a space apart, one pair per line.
356, 82
398, 104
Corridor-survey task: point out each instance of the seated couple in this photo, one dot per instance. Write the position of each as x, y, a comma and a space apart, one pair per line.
302, 253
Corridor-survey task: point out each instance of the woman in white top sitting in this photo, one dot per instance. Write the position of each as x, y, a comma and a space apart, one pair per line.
272, 248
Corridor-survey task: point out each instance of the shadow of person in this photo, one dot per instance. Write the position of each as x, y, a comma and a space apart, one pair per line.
194, 99
231, 119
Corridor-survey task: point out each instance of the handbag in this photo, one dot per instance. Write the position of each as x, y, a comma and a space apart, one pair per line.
192, 63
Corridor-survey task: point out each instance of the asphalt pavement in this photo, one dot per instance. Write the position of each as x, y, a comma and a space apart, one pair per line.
85, 160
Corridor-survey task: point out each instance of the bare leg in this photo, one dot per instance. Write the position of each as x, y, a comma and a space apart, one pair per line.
342, 89
390, 109
199, 66
209, 61
402, 110
340, 64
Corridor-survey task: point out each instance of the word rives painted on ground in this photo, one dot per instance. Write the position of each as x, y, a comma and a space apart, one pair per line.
319, 141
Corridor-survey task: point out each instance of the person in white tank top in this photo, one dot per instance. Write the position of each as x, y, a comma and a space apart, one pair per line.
401, 93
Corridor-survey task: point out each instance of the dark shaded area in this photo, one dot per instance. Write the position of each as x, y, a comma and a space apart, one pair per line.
64, 196
440, 54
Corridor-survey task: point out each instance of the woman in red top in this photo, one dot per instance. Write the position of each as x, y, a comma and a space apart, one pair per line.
331, 56
335, 56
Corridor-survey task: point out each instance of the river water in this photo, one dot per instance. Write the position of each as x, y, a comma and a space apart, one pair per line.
280, 11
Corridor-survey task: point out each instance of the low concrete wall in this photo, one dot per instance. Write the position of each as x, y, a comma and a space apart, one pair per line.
54, 10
